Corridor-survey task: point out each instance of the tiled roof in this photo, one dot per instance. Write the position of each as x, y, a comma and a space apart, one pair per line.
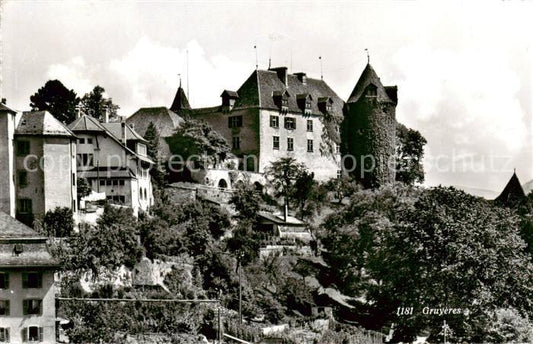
116, 129
90, 124
34, 250
5, 108
278, 219
230, 94
368, 77
262, 85
164, 120
180, 101
11, 228
86, 123
513, 191
41, 123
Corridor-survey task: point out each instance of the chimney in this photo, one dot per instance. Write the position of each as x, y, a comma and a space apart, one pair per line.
282, 74
106, 116
4, 101
124, 135
285, 212
302, 77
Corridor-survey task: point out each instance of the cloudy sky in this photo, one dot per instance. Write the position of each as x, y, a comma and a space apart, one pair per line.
464, 69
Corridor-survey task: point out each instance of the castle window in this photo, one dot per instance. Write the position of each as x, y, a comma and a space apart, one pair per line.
281, 99
234, 121
25, 206
102, 182
90, 141
4, 335
32, 306
290, 144
274, 121
82, 140
309, 125
290, 123
121, 182
23, 148
32, 280
339, 174
236, 142
275, 142
4, 307
371, 91
310, 146
304, 103
337, 148
4, 280
23, 178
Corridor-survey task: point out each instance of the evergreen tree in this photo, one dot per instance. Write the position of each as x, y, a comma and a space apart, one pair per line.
55, 98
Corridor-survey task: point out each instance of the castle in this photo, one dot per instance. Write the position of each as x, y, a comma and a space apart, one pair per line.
276, 114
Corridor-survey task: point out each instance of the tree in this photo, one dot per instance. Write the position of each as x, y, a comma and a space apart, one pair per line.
282, 174
58, 222
401, 246
409, 154
111, 244
83, 188
342, 187
247, 202
96, 105
55, 98
158, 174
196, 141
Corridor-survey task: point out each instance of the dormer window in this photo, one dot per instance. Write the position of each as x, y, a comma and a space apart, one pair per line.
371, 91
281, 99
325, 104
228, 99
304, 103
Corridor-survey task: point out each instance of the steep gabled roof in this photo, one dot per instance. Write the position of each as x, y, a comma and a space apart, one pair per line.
11, 228
42, 123
116, 129
262, 85
180, 101
34, 252
368, 77
90, 124
512, 192
86, 123
165, 120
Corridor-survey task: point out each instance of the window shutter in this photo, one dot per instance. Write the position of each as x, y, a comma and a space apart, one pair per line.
7, 308
25, 307
40, 305
24, 334
40, 334
7, 334
25, 281
6, 280
39, 280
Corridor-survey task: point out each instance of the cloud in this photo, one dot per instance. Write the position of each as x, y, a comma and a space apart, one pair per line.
147, 75
463, 102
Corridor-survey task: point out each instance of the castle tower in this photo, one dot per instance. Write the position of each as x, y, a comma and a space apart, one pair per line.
7, 184
180, 101
369, 130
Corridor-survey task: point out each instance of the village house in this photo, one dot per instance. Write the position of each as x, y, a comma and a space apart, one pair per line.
113, 158
27, 294
39, 173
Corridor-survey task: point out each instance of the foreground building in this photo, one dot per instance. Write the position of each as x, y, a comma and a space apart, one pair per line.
113, 158
38, 171
27, 296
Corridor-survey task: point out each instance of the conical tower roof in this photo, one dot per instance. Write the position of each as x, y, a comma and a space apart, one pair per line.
180, 101
512, 192
368, 77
